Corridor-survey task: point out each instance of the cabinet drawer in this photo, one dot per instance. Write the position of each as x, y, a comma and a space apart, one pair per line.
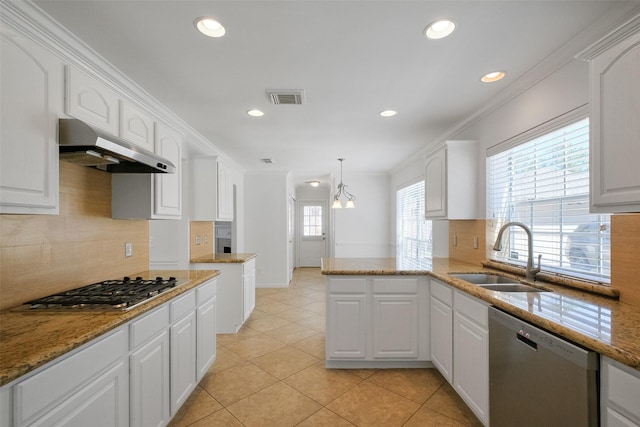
183, 305
395, 286
147, 327
47, 389
347, 286
442, 292
249, 266
205, 292
471, 308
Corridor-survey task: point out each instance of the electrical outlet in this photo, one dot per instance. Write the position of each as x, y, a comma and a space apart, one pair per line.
475, 242
197, 240
206, 239
128, 249
455, 240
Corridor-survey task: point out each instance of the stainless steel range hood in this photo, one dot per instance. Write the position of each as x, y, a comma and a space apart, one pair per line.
83, 144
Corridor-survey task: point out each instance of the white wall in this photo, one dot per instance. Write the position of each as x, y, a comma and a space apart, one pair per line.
364, 231
265, 225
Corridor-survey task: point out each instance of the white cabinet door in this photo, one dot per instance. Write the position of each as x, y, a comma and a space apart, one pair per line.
183, 360
151, 196
346, 328
91, 101
101, 403
150, 383
395, 326
435, 181
615, 151
619, 394
225, 193
32, 91
471, 353
206, 325
168, 187
442, 338
136, 126
249, 287
450, 176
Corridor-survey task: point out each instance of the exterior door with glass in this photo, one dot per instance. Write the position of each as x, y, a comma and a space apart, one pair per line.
312, 232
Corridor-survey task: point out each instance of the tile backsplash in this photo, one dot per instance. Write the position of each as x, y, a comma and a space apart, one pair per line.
42, 254
202, 239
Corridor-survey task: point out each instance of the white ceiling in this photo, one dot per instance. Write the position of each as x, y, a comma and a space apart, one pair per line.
352, 59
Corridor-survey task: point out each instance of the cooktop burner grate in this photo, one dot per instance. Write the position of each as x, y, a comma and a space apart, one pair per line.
111, 294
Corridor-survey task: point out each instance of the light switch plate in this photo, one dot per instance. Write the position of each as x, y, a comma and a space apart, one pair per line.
128, 249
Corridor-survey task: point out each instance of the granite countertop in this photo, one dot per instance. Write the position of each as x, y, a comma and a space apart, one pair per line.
600, 323
30, 339
223, 258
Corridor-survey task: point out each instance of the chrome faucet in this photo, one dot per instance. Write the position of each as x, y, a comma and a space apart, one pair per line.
530, 272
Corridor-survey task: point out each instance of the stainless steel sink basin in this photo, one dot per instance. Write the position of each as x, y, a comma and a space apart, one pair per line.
496, 282
512, 287
484, 279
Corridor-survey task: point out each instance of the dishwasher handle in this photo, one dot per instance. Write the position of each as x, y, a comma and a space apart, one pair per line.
526, 341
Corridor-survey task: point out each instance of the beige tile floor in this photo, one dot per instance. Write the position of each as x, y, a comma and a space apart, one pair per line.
271, 373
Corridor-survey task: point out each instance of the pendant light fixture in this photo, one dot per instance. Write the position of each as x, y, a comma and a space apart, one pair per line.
342, 189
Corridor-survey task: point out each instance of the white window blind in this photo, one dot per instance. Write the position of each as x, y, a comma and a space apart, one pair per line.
414, 236
544, 183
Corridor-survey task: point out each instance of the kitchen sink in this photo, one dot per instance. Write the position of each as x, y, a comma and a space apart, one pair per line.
494, 282
485, 279
512, 287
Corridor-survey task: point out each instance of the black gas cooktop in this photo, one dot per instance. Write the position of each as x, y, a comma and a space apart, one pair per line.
122, 294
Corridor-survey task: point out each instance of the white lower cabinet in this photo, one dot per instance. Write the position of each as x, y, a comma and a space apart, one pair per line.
460, 345
441, 324
346, 319
236, 293
619, 394
86, 388
183, 349
138, 375
149, 364
206, 328
471, 353
374, 321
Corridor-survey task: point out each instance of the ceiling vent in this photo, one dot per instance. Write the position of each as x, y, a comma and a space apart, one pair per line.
286, 96
267, 160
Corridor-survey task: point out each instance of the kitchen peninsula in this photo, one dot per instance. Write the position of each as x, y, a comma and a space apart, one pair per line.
236, 287
384, 313
612, 330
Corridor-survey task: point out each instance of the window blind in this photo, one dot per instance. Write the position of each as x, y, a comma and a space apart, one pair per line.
414, 238
544, 183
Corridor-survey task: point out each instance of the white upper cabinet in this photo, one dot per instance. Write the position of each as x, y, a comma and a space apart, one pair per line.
31, 79
225, 193
212, 189
168, 187
136, 126
615, 128
151, 196
89, 100
450, 177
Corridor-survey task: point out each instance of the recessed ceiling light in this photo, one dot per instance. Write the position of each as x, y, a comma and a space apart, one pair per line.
255, 113
314, 183
210, 27
493, 77
388, 113
439, 29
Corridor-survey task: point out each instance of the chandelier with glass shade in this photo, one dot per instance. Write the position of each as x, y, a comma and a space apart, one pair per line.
342, 190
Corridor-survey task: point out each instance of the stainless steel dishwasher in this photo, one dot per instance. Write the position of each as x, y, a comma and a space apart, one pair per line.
538, 379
